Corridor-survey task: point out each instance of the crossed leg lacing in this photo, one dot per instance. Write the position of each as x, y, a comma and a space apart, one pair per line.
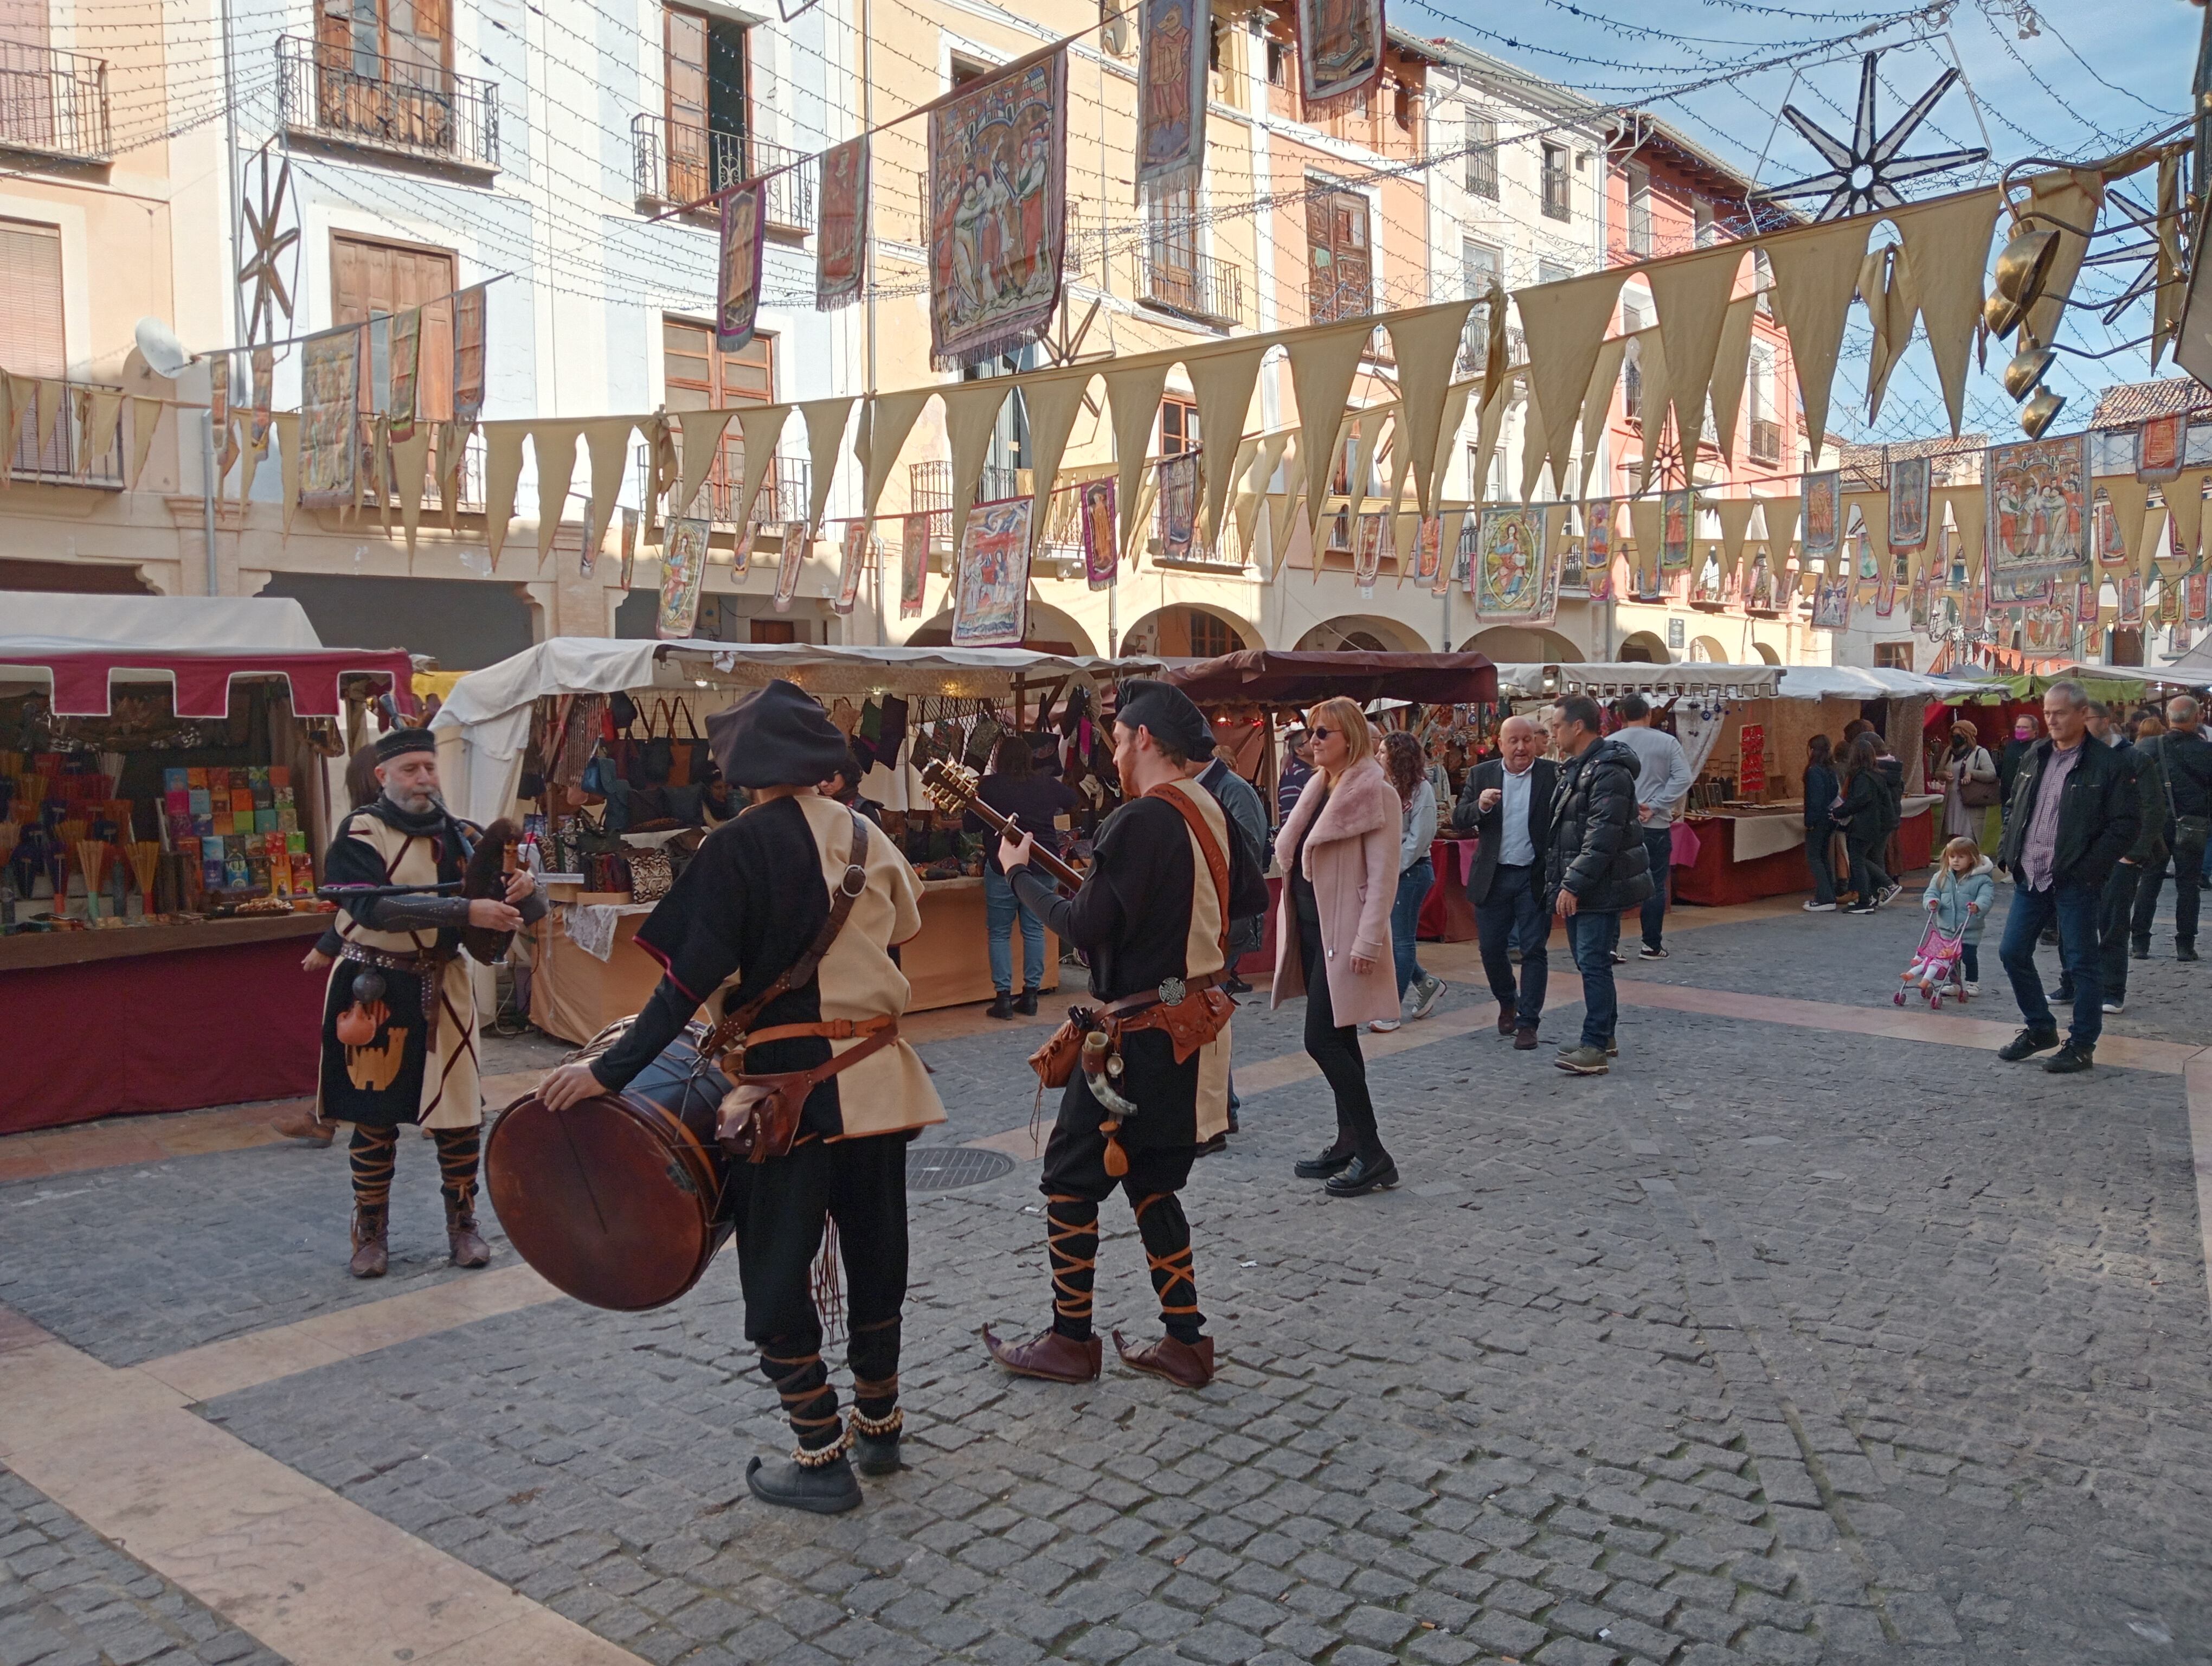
793, 1365
371, 1154
1072, 1243
457, 1152
1166, 1234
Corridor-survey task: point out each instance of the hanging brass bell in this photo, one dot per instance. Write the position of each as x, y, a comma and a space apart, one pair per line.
2025, 265
2001, 316
2040, 412
2027, 367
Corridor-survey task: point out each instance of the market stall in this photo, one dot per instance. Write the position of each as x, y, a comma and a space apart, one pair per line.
536, 737
162, 815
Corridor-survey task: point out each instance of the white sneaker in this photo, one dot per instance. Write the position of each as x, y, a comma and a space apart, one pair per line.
1973, 988
1425, 994
1382, 1026
2115, 1006
1820, 907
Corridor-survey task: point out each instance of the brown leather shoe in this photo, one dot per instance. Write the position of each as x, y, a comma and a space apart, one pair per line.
1050, 1355
1505, 1020
370, 1257
305, 1125
1524, 1039
468, 1250
1185, 1367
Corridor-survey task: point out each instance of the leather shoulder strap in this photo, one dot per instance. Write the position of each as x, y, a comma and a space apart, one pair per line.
795, 975
1216, 859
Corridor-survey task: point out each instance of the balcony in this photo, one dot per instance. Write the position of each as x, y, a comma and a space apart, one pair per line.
341, 97
673, 163
1765, 441
786, 495
52, 104
62, 460
1192, 286
929, 486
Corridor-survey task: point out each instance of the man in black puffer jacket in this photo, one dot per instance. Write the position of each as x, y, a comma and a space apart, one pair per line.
1596, 866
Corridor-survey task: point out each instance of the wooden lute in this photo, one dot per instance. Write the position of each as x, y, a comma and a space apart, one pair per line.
952, 787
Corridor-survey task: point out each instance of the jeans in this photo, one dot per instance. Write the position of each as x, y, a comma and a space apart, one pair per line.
1867, 877
1592, 938
1820, 864
1406, 918
2075, 908
1336, 1049
2188, 861
1514, 912
1659, 845
2114, 909
1000, 905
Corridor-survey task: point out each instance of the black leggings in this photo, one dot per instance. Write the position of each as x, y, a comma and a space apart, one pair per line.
1869, 878
1336, 1049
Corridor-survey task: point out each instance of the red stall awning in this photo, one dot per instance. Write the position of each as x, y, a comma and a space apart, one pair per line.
1272, 676
81, 673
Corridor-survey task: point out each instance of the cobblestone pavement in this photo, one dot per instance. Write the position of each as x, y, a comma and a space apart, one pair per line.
1773, 1345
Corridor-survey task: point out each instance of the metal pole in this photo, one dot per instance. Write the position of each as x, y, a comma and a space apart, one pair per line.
207, 491
867, 126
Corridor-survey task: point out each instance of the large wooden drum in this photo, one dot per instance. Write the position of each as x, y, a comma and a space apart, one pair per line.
618, 1200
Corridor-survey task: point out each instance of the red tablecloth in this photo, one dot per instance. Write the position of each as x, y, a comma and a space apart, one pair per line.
1718, 878
1446, 914
159, 1033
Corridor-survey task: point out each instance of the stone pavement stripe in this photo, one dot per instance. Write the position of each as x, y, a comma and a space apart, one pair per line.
319, 1580
2198, 1081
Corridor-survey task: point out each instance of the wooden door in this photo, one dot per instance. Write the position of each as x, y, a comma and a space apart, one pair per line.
699, 376
32, 339
1339, 271
685, 40
1174, 248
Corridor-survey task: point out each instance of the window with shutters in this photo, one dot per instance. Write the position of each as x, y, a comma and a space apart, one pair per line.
1209, 636
380, 74
699, 376
1482, 154
370, 281
1339, 254
1558, 204
1639, 208
32, 343
1178, 425
709, 111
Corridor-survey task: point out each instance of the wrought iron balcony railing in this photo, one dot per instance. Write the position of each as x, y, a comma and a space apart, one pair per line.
677, 162
58, 456
1193, 286
929, 486
52, 103
364, 101
786, 495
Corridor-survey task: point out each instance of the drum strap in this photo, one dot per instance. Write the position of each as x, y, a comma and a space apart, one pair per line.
731, 1032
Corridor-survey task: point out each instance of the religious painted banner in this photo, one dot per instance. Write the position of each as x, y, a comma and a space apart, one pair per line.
2131, 597
841, 249
263, 395
468, 353
1176, 38
683, 572
1884, 598
1429, 555
220, 416
1367, 552
630, 520
1507, 576
2158, 449
1677, 516
794, 557
854, 563
1923, 595
2045, 629
330, 390
1178, 488
1597, 550
990, 604
1100, 536
998, 210
1824, 505
1831, 605
2105, 533
406, 371
914, 562
737, 285
2037, 510
2198, 590
1340, 52
1909, 479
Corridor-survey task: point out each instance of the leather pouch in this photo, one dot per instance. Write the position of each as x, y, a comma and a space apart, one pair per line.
760, 1115
1055, 1063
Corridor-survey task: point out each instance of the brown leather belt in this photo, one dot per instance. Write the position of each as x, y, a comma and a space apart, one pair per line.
829, 1029
1139, 1002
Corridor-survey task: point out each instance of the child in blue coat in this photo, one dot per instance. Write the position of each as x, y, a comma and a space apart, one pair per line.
1960, 893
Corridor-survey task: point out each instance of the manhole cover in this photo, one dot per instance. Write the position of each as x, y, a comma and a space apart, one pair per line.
943, 1168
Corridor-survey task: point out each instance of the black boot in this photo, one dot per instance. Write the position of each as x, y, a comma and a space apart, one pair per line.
1025, 1003
829, 1489
876, 1444
1001, 1007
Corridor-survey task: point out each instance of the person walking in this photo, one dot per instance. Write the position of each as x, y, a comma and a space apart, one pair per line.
1594, 865
2073, 814
1014, 789
1820, 785
1297, 770
1970, 783
1406, 766
1240, 801
1865, 819
1666, 776
2184, 759
1959, 893
1507, 804
2025, 730
2116, 908
1338, 849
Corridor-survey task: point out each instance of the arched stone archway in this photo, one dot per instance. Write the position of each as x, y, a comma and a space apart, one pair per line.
1766, 655
1363, 633
1518, 645
1645, 648
1707, 651
1194, 630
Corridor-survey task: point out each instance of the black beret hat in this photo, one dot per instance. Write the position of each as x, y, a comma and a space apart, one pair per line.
401, 741
1144, 703
777, 736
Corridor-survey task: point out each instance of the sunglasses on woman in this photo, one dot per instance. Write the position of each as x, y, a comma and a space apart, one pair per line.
1321, 734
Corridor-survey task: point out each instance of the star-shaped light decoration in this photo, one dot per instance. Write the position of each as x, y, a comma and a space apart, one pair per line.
265, 203
1863, 176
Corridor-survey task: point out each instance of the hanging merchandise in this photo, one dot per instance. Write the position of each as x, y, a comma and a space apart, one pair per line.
737, 287
1178, 489
330, 386
2159, 448
914, 562
998, 209
406, 371
2038, 497
787, 566
1101, 538
1909, 480
468, 353
683, 571
840, 252
991, 587
1340, 52
1823, 513
1175, 39
848, 572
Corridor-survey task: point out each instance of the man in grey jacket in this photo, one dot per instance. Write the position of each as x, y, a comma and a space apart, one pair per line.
1240, 802
1663, 776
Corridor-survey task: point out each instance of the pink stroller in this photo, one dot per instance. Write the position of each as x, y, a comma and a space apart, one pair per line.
1938, 967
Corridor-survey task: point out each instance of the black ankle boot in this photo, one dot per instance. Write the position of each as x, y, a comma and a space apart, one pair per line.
830, 1490
1025, 1003
877, 1454
1001, 1007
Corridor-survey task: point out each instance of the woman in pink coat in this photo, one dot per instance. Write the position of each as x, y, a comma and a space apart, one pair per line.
1339, 856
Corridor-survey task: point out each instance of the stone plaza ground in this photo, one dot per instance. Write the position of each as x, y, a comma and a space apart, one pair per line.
1812, 1333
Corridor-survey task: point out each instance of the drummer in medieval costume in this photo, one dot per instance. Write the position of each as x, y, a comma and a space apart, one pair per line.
759, 898
399, 1021
1151, 1081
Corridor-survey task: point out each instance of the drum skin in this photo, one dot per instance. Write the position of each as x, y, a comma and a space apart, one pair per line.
618, 1199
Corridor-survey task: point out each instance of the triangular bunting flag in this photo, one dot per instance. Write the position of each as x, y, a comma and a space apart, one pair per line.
762, 427
1948, 241
1222, 378
1597, 403
1729, 367
1322, 366
411, 466
1886, 284
1053, 403
825, 439
1692, 297
1133, 395
606, 445
1816, 274
1565, 324
880, 436
502, 474
2128, 502
2185, 503
553, 446
1425, 345
1735, 515
145, 419
703, 443
1645, 522
971, 413
284, 425
1651, 366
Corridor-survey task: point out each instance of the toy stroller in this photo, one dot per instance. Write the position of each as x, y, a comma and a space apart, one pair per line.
1938, 967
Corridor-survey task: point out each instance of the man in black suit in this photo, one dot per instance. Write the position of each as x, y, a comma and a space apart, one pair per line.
1507, 802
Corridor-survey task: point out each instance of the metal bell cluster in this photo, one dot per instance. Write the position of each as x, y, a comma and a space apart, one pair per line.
2022, 271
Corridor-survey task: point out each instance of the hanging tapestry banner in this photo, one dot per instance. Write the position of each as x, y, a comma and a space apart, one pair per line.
2105, 533
406, 371
683, 572
2131, 597
998, 210
2046, 630
2158, 451
1909, 480
1179, 507
219, 415
1823, 513
264, 394
1177, 38
2038, 504
914, 562
990, 606
1507, 576
1428, 555
1339, 52
629, 519
1676, 512
330, 392
737, 287
857, 543
1831, 605
787, 565
1597, 548
841, 251
1367, 553
1101, 538
1884, 598
2198, 588
468, 353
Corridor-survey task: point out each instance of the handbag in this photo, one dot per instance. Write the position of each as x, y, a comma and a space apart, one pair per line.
651, 875
1055, 1063
688, 759
656, 758
1977, 794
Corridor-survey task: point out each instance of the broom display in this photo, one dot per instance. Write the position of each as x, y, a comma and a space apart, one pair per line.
145, 865
91, 857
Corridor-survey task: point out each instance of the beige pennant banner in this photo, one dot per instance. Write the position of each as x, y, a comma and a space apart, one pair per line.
1322, 365
1532, 452
971, 417
1282, 507
1370, 424
145, 419
2060, 201
1947, 240
1968, 506
1779, 516
1735, 515
1565, 324
826, 442
502, 475
1133, 398
1597, 403
1886, 286
1692, 298
1729, 369
553, 446
762, 428
1646, 522
881, 436
410, 468
453, 456
1426, 348
1651, 371
1815, 275
284, 425
1486, 443
1405, 532
1455, 413
1255, 495
103, 418
606, 447
2185, 502
1222, 378
1052, 404
703, 442
2127, 500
